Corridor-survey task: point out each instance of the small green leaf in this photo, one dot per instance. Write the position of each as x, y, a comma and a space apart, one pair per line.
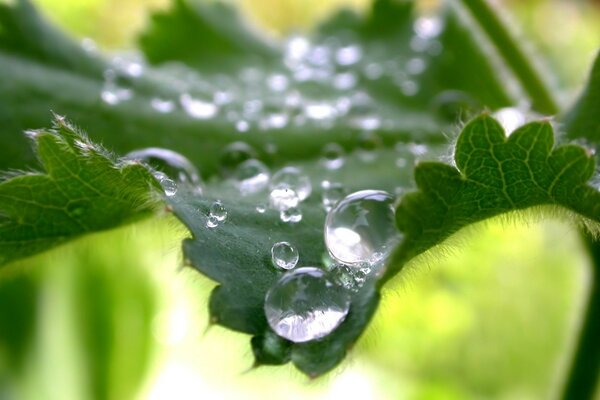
83, 189
494, 175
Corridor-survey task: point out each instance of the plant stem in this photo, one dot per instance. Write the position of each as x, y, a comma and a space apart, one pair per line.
583, 376
514, 56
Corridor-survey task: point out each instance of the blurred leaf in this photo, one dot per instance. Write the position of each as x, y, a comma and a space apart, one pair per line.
494, 175
583, 120
83, 189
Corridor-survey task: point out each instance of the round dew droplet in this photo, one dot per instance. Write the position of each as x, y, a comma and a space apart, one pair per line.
292, 178
291, 215
332, 156
284, 255
234, 154
169, 186
362, 228
282, 198
218, 211
212, 221
333, 192
251, 176
304, 305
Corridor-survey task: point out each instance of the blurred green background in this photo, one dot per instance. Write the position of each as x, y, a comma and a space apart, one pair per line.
112, 315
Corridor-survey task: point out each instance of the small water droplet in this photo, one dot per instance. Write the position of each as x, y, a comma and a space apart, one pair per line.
409, 88
373, 71
234, 154
416, 66
251, 176
319, 111
348, 55
212, 222
113, 95
362, 227
242, 126
333, 156
292, 178
196, 108
170, 163
284, 255
162, 106
428, 27
333, 192
218, 211
261, 208
278, 82
291, 215
304, 305
169, 186
344, 81
350, 278
282, 198
368, 144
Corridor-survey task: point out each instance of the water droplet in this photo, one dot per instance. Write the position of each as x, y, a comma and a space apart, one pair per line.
218, 211
234, 154
368, 144
428, 27
362, 227
510, 118
348, 55
373, 71
198, 109
350, 278
292, 215
292, 178
251, 176
283, 198
212, 222
284, 255
170, 163
304, 305
409, 88
169, 186
261, 208
113, 95
278, 82
333, 192
333, 156
242, 126
319, 111
162, 106
344, 81
416, 66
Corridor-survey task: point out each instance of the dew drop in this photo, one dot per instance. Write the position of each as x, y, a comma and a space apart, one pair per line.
234, 154
292, 178
169, 186
333, 192
282, 198
304, 305
196, 108
261, 208
170, 163
284, 255
218, 211
291, 215
333, 156
162, 106
319, 111
348, 55
113, 95
212, 222
251, 176
368, 144
362, 228
428, 27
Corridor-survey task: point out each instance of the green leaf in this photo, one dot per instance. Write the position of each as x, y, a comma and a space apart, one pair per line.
83, 189
583, 120
221, 38
494, 175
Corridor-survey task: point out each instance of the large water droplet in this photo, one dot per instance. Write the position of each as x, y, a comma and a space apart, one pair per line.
292, 178
304, 305
284, 255
171, 163
251, 176
362, 227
